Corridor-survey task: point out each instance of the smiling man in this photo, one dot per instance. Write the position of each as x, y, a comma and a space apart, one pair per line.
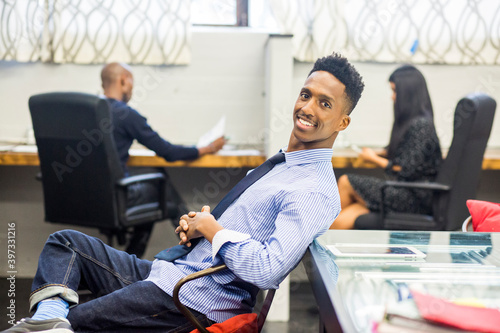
261, 235
321, 111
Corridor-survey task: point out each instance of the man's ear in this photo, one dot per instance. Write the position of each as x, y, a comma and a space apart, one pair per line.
346, 120
123, 79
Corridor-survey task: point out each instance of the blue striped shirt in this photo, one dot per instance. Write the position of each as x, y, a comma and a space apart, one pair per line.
267, 231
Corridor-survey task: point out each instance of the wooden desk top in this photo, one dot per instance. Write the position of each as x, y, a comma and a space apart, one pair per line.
347, 158
342, 158
207, 161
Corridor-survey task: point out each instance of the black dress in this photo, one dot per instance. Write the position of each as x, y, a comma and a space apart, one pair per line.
419, 156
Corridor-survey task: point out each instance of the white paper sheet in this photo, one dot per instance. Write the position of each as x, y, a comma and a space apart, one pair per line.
25, 149
240, 152
141, 152
214, 133
6, 148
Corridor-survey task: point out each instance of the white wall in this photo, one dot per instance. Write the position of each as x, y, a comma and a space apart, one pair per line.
227, 76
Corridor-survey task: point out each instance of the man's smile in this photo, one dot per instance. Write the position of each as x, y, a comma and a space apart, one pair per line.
305, 122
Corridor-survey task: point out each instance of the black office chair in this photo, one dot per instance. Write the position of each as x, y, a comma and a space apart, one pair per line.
458, 176
83, 183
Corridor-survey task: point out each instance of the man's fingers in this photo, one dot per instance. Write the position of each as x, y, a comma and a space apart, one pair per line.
183, 225
183, 237
192, 214
205, 209
185, 242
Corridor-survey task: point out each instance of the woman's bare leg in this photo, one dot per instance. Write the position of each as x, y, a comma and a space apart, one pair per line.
348, 216
348, 195
351, 203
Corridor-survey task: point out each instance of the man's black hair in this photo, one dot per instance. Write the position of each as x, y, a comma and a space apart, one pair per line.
339, 67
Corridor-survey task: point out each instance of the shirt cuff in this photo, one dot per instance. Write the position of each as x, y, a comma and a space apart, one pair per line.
225, 235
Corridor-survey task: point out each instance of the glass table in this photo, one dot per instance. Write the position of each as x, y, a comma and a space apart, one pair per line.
353, 293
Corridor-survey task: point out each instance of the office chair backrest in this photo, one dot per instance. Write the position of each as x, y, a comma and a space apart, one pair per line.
78, 159
462, 166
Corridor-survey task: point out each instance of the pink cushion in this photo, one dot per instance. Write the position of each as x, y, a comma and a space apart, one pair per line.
485, 215
243, 323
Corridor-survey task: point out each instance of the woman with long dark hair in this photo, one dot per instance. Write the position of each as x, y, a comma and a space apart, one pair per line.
413, 154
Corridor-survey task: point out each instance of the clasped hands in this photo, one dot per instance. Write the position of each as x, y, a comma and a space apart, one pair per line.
197, 224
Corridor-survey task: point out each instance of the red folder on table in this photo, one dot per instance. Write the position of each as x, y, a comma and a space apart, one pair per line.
469, 318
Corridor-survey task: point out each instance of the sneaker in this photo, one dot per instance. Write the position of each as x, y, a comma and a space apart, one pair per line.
56, 325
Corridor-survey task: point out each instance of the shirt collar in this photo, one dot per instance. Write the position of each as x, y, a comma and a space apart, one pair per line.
307, 156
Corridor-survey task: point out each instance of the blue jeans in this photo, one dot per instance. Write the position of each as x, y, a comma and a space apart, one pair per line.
126, 303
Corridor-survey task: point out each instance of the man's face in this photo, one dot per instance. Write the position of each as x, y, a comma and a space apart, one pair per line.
319, 112
127, 84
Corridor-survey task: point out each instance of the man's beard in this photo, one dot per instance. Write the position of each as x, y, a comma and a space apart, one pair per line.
125, 98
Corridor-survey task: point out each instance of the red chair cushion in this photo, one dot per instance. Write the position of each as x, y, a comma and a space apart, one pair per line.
243, 323
485, 215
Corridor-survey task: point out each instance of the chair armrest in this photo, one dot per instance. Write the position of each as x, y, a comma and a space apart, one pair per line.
122, 189
184, 310
466, 223
417, 185
413, 185
140, 178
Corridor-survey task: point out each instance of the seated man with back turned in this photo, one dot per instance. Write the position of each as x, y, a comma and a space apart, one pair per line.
260, 230
129, 125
